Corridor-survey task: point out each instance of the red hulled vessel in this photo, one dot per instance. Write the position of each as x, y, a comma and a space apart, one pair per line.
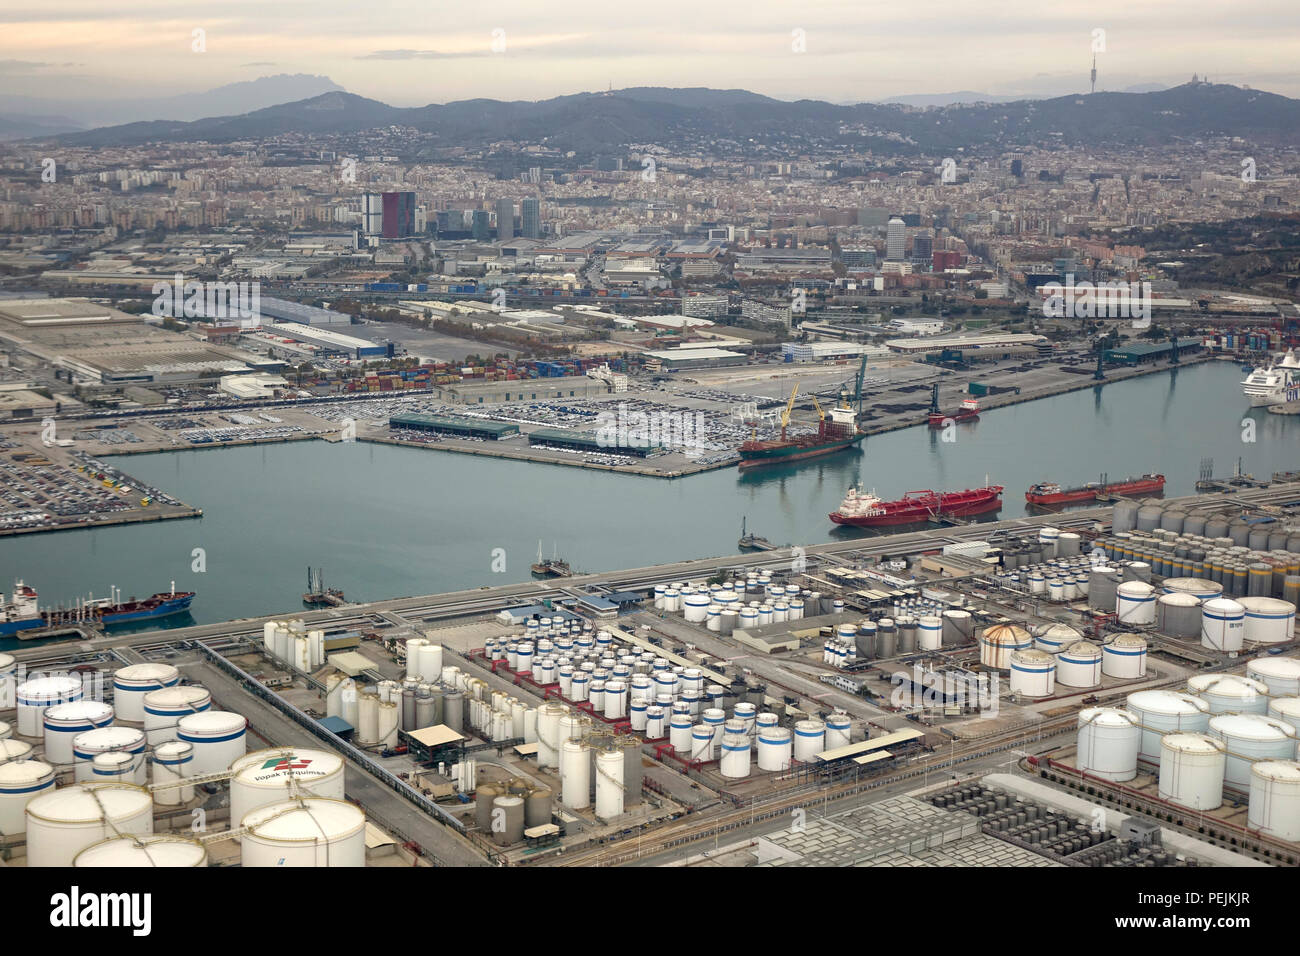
869, 511
1051, 493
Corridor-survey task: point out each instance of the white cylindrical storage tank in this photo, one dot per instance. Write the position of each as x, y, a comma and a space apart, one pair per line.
413, 671
1033, 673
1191, 770
1054, 638
388, 717
696, 608
702, 742
1275, 799
1268, 620
1223, 625
1125, 657
164, 708
21, 781
116, 766
656, 718
173, 760
1135, 603
548, 734
929, 633
637, 714
128, 740
367, 718
63, 822
1250, 738
575, 775
999, 642
809, 740
679, 733
1161, 712
1179, 615
35, 696
219, 738
315, 831
609, 784
430, 665
131, 683
839, 728
63, 722
1229, 693
274, 776
1280, 674
1079, 665
335, 685
734, 764
615, 699
1108, 743
775, 748
1286, 708
160, 849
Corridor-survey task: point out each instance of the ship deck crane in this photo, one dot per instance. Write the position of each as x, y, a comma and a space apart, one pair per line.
789, 407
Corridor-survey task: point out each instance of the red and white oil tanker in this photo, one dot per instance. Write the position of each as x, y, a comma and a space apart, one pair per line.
864, 510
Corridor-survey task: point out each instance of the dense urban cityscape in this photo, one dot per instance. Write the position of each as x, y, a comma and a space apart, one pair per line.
533, 483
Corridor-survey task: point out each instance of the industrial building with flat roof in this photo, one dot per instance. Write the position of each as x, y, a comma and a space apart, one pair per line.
587, 441
335, 343
524, 390
455, 425
1138, 353
993, 342
694, 357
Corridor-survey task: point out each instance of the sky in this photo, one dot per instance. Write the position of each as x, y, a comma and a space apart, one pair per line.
409, 54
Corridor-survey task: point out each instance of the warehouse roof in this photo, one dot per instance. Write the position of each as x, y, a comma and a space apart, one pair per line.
439, 735
351, 663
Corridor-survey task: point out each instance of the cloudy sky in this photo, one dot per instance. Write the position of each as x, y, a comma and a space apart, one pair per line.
412, 53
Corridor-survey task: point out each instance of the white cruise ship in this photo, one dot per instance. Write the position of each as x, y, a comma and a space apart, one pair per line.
1275, 383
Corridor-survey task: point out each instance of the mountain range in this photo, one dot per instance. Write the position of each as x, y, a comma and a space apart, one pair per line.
607, 121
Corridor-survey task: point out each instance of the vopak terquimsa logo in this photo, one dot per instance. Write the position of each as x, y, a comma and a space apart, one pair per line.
180, 299
965, 691
75, 909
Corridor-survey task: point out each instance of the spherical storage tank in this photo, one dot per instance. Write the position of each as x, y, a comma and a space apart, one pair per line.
63, 822
1124, 657
1179, 615
1223, 625
1079, 665
131, 683
1275, 799
1267, 620
1108, 743
161, 849
1033, 673
37, 695
273, 776
999, 642
1230, 694
20, 782
219, 738
314, 831
164, 708
1135, 603
1280, 674
1248, 738
1191, 771
102, 740
1161, 712
63, 722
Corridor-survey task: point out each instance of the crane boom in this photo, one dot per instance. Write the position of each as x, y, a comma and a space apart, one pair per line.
789, 407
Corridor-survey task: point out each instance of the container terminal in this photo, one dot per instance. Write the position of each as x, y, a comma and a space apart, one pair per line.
955, 696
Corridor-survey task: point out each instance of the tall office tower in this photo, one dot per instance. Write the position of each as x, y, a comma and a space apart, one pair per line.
505, 219
372, 214
923, 248
530, 219
399, 215
895, 239
480, 225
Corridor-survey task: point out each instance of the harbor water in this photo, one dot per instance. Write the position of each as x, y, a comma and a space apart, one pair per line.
386, 521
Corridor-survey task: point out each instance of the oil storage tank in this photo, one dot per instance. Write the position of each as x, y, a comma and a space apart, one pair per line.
164, 708
35, 696
63, 722
63, 822
1108, 741
1280, 674
1160, 712
127, 740
1267, 620
1124, 657
1033, 673
1275, 799
160, 849
312, 831
1179, 616
172, 762
999, 642
1079, 665
219, 738
131, 683
21, 781
1249, 738
1223, 625
1135, 603
274, 776
1191, 770
1229, 693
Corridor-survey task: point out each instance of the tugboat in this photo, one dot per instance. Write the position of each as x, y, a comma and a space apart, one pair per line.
967, 411
550, 567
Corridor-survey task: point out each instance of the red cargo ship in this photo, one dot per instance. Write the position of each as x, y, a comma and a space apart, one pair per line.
1050, 493
869, 511
968, 411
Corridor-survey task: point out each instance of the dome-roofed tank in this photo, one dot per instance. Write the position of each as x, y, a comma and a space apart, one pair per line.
63, 822
1165, 711
1055, 637
314, 831
159, 849
1108, 742
1191, 770
997, 644
1230, 693
273, 776
1079, 665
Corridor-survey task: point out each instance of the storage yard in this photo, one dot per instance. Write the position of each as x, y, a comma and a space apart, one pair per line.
1138, 659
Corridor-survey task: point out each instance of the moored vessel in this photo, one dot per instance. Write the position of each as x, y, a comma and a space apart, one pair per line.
1052, 493
868, 510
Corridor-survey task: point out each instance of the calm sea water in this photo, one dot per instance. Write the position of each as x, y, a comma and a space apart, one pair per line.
387, 522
